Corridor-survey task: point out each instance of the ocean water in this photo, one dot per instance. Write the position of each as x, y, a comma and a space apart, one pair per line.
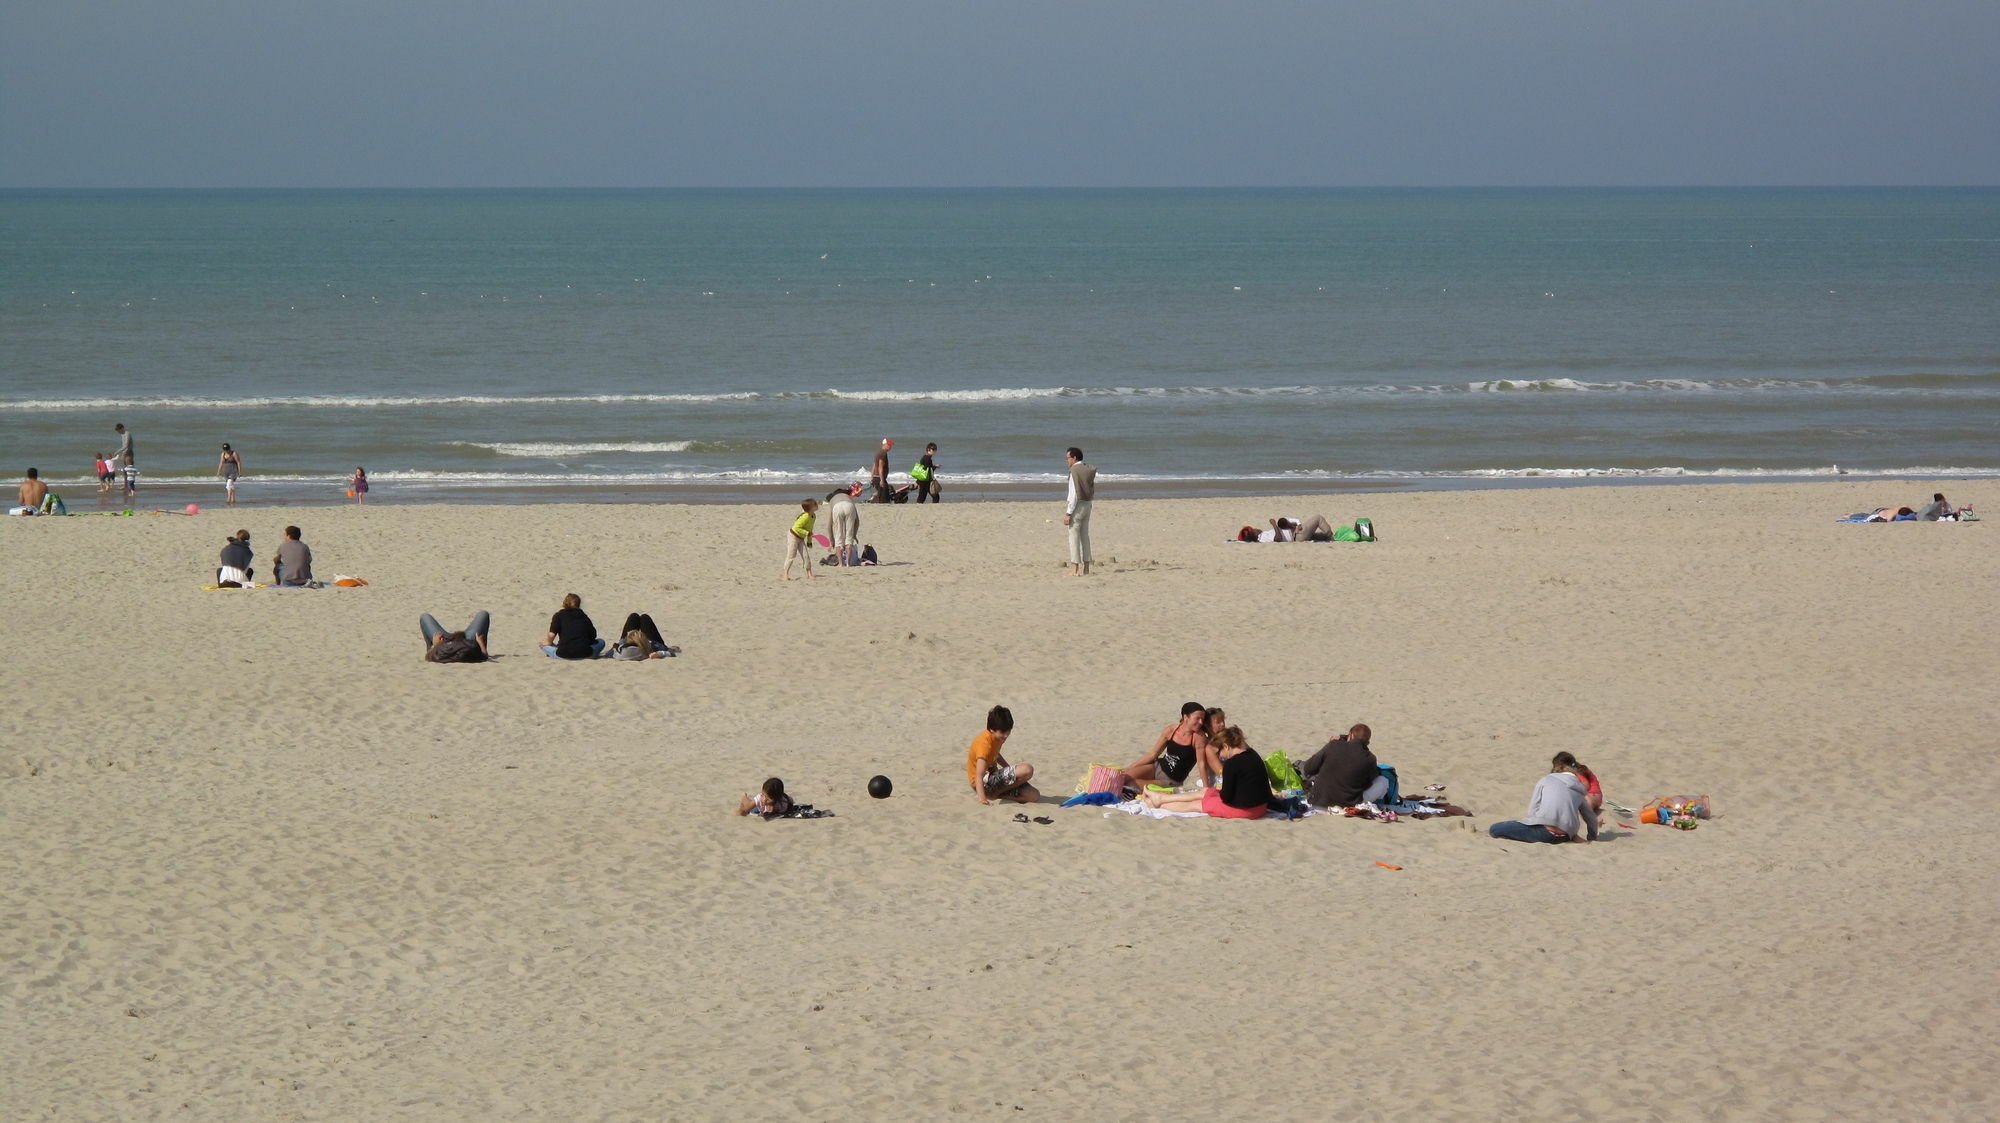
501, 346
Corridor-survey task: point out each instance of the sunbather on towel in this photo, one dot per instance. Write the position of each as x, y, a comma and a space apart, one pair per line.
1245, 792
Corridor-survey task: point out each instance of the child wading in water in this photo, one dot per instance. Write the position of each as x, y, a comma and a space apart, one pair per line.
358, 486
799, 540
770, 801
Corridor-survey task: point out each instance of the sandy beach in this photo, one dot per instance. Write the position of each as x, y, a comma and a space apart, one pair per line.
260, 861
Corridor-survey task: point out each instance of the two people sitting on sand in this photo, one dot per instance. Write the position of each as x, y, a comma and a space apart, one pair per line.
1312, 529
1558, 810
572, 635
1245, 790
987, 769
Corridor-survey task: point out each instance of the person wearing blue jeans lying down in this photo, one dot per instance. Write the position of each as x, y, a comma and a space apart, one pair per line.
1559, 806
468, 646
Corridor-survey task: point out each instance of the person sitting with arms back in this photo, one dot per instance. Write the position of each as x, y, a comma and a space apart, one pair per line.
1344, 771
235, 560
1559, 803
295, 560
987, 770
571, 634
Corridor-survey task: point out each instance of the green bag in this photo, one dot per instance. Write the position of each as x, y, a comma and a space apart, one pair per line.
920, 473
1283, 776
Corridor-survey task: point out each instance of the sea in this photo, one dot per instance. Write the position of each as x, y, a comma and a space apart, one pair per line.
714, 345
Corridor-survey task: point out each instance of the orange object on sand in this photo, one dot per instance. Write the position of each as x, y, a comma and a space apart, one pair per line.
1387, 866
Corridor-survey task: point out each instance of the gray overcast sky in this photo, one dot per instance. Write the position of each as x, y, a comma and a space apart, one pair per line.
196, 93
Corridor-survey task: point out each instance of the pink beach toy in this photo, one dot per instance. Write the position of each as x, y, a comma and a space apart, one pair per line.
194, 508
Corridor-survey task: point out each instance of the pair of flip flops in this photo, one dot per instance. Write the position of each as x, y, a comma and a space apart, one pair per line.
1023, 818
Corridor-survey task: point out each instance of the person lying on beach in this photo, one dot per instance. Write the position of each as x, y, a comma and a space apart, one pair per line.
639, 638
1245, 792
1560, 804
1344, 771
235, 562
1592, 790
1181, 747
571, 634
1891, 514
987, 770
1936, 509
770, 800
468, 646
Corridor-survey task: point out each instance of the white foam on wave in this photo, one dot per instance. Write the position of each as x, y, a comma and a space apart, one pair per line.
556, 450
1890, 384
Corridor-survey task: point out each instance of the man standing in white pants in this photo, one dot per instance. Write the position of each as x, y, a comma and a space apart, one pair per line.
1076, 515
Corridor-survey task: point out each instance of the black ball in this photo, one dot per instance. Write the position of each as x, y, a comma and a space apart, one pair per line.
880, 787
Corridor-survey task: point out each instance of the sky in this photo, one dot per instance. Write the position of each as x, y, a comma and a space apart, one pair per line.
946, 93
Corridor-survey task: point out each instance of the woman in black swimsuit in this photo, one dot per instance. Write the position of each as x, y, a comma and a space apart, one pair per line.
1182, 746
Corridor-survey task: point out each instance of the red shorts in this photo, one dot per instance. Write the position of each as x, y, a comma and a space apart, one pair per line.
1211, 804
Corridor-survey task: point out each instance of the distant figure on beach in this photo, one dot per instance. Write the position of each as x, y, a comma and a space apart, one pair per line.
639, 638
128, 464
358, 486
1076, 513
769, 802
107, 473
1557, 809
1344, 771
227, 469
846, 514
986, 768
33, 490
1245, 791
799, 540
924, 472
878, 473
295, 560
1592, 790
571, 634
234, 564
468, 646
1181, 747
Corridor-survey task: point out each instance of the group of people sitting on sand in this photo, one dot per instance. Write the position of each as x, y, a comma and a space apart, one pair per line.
292, 568
1313, 529
1235, 784
571, 635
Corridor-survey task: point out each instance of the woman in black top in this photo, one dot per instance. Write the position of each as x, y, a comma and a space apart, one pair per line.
1245, 792
1181, 746
571, 634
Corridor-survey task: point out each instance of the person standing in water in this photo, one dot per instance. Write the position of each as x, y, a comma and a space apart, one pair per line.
128, 464
358, 487
228, 468
878, 473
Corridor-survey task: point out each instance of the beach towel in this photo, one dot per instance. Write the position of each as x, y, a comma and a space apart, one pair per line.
1091, 799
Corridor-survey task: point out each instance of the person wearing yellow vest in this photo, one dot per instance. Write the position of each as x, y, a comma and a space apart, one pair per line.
925, 473
799, 540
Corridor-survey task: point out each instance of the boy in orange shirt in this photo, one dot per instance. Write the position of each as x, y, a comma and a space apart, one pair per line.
989, 773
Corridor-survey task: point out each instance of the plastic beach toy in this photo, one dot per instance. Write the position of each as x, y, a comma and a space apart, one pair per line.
194, 508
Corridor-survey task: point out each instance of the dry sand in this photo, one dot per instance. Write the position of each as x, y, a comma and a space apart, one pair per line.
262, 862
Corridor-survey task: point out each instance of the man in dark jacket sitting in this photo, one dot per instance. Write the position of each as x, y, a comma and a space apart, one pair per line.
1343, 772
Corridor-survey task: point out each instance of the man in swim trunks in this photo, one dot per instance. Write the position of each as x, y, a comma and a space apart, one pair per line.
878, 473
989, 773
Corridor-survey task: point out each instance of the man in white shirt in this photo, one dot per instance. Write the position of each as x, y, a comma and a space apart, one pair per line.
1076, 514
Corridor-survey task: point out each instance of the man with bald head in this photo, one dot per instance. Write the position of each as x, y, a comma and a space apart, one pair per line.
1343, 772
